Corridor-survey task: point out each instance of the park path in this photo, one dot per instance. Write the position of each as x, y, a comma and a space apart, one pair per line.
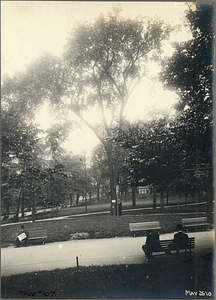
124, 250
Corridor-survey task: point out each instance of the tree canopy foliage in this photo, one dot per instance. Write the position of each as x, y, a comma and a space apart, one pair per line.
178, 154
102, 64
190, 72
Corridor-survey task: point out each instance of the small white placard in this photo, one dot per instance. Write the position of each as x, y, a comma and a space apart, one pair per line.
22, 236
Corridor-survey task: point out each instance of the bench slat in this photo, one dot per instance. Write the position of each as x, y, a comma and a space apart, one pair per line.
200, 220
195, 222
37, 234
144, 226
37, 237
204, 219
167, 245
198, 224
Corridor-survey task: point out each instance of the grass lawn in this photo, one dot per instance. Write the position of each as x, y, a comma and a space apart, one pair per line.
97, 226
168, 277
163, 277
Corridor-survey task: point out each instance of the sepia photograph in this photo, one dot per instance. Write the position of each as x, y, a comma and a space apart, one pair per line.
107, 150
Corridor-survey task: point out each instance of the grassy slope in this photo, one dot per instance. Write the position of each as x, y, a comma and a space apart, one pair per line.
163, 277
98, 226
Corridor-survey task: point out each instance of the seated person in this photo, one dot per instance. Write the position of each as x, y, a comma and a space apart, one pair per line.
22, 237
180, 239
152, 242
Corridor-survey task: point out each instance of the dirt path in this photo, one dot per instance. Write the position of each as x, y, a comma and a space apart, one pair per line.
87, 252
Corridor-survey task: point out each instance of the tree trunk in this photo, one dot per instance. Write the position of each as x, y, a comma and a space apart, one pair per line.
167, 196
113, 162
112, 183
18, 206
162, 200
133, 196
113, 179
22, 206
85, 198
71, 199
125, 195
77, 199
7, 208
33, 207
210, 203
49, 191
154, 197
98, 193
186, 195
85, 187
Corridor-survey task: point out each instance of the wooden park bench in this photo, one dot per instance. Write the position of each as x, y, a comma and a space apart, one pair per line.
167, 246
195, 222
143, 226
37, 235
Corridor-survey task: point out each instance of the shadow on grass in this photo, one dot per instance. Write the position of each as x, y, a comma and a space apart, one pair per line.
174, 277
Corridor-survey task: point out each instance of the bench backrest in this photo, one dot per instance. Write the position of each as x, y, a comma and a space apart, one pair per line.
144, 226
165, 244
199, 220
191, 242
37, 233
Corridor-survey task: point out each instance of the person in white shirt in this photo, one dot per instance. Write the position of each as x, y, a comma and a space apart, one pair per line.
22, 237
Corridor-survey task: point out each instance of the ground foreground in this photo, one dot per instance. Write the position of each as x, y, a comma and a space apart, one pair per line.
133, 276
164, 276
176, 277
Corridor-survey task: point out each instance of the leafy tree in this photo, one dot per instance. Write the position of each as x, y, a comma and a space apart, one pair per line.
99, 168
9, 192
190, 72
104, 62
77, 178
152, 156
19, 148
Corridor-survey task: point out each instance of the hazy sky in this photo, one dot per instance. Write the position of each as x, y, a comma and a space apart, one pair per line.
28, 28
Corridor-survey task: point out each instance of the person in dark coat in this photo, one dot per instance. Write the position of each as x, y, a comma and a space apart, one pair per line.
22, 237
152, 242
180, 239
